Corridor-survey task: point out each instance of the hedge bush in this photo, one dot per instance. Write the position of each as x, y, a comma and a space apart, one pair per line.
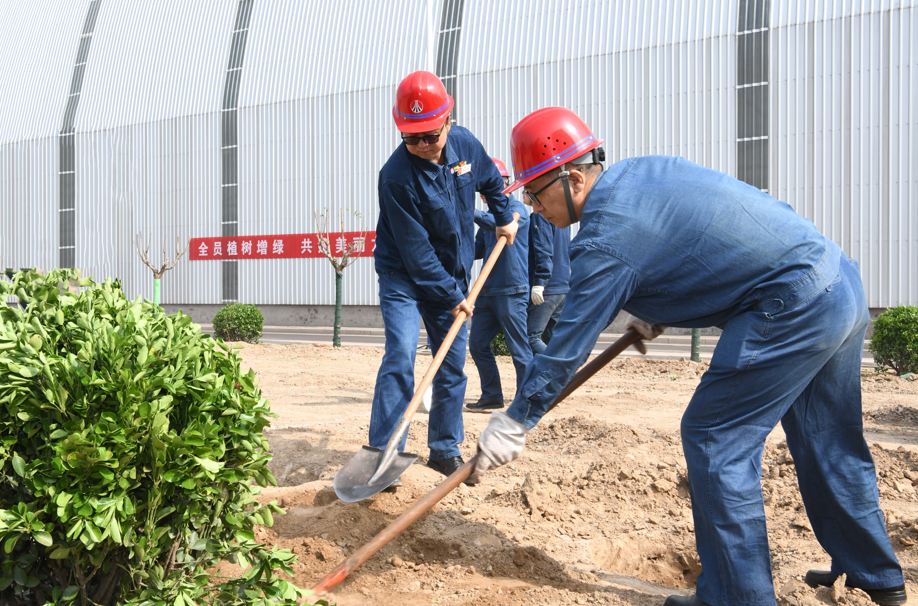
895, 339
130, 444
499, 345
239, 322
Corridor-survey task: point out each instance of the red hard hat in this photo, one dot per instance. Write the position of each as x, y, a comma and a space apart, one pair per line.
421, 103
546, 139
501, 167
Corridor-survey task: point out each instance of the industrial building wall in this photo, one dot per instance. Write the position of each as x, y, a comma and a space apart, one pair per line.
845, 133
316, 86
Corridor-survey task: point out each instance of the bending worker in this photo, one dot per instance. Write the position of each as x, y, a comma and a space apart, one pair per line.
676, 244
502, 304
549, 277
424, 253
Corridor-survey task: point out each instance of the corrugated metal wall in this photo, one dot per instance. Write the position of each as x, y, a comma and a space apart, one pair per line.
845, 132
34, 80
650, 76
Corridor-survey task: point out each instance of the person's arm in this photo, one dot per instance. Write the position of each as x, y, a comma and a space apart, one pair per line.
400, 206
601, 284
541, 241
485, 221
479, 241
598, 292
490, 185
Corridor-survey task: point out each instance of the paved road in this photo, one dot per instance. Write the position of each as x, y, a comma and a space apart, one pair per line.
665, 347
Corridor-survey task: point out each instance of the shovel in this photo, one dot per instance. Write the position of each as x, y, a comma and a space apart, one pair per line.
371, 470
631, 337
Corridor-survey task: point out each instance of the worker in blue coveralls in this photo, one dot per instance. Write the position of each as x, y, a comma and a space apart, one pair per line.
425, 248
549, 279
677, 244
501, 305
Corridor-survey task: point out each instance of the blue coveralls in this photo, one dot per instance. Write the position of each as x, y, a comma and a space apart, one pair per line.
425, 248
680, 245
502, 303
549, 266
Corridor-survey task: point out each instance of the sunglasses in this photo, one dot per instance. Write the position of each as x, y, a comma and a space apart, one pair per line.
534, 196
428, 139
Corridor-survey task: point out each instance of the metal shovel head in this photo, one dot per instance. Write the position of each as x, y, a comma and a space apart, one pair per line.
352, 482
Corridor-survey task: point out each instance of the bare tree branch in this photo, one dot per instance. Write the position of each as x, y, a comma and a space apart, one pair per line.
166, 266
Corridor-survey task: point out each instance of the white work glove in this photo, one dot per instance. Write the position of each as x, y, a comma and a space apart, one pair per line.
500, 443
426, 400
537, 295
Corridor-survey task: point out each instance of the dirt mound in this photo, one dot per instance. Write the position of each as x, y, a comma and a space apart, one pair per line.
596, 511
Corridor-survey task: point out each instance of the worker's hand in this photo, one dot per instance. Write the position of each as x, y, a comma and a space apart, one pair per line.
509, 230
464, 306
537, 295
501, 442
648, 332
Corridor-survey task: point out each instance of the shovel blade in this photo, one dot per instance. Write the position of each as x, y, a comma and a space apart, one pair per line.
352, 482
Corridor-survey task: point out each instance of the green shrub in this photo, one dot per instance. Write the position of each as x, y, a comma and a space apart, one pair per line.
130, 447
895, 339
499, 345
239, 322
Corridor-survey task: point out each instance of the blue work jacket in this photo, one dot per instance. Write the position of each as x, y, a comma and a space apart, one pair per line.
426, 228
509, 275
549, 259
675, 244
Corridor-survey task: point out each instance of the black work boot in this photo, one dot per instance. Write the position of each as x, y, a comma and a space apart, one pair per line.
483, 405
683, 600
447, 466
888, 596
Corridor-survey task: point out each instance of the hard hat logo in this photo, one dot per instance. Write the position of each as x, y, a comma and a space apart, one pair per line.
421, 103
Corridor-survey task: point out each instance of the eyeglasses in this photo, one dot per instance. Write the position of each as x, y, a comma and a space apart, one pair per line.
534, 196
428, 139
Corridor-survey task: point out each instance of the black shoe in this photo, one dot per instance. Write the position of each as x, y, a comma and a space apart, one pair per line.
483, 405
447, 466
890, 596
397, 483
683, 600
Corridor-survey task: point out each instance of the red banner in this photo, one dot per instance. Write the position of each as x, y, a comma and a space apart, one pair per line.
282, 246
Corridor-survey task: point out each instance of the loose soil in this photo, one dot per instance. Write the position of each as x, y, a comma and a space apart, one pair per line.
596, 511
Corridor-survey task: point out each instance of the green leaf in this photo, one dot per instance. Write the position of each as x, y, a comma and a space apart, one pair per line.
93, 531
70, 593
60, 553
10, 543
43, 537
28, 372
18, 466
209, 465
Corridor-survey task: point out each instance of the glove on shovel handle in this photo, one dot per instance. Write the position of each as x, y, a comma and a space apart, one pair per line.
449, 484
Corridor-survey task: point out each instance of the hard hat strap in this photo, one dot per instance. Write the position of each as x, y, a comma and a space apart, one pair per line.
567, 194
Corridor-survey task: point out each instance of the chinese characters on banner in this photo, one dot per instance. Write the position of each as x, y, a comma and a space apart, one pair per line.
284, 246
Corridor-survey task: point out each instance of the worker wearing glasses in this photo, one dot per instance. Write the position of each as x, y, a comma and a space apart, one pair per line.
677, 244
425, 248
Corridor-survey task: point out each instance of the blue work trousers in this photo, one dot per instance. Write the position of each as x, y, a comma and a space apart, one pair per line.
493, 314
402, 309
793, 359
542, 319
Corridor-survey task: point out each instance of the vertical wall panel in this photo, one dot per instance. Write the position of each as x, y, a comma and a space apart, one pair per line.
313, 124
845, 136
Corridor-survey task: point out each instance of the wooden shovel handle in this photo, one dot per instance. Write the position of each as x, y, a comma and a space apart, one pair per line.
449, 484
